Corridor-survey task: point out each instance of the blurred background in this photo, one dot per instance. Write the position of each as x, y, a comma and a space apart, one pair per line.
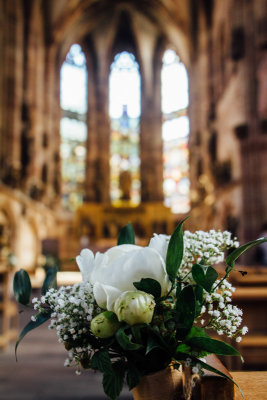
114, 111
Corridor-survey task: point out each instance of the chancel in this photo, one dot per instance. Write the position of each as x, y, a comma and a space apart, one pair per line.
120, 111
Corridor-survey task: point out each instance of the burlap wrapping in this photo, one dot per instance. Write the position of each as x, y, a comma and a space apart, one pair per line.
162, 385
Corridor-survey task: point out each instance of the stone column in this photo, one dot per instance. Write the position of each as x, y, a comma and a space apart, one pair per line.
11, 76
33, 99
51, 124
254, 182
98, 143
92, 189
254, 144
151, 136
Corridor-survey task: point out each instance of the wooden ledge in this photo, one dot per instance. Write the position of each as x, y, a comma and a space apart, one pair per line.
254, 341
250, 293
212, 386
253, 385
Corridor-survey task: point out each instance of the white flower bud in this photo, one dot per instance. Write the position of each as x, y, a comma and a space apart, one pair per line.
135, 307
105, 325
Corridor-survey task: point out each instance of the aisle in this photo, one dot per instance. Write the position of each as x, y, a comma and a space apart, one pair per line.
39, 373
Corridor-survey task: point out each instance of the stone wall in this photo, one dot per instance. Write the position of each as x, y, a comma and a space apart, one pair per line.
228, 110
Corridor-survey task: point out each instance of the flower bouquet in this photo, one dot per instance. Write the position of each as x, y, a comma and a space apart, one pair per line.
140, 310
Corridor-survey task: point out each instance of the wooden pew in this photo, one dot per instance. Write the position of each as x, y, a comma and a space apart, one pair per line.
253, 347
8, 309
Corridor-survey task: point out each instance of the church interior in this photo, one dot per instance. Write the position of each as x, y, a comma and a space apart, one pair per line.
144, 111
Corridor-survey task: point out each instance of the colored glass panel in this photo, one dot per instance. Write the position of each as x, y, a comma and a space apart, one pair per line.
73, 128
175, 131
124, 111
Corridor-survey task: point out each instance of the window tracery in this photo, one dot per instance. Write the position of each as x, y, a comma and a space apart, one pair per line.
73, 127
175, 132
124, 111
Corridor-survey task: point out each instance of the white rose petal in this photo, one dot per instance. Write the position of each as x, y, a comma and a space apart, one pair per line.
116, 270
85, 262
106, 295
160, 243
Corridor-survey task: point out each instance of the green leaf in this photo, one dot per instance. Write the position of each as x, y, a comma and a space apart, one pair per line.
113, 380
133, 376
199, 300
184, 348
216, 371
230, 260
178, 289
204, 276
124, 341
185, 311
175, 252
196, 331
126, 235
50, 280
22, 287
212, 346
40, 319
101, 361
136, 331
150, 286
152, 344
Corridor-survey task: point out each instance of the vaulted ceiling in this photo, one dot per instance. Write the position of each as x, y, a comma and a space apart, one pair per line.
173, 20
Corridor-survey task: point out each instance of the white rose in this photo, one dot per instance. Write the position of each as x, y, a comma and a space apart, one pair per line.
160, 243
115, 271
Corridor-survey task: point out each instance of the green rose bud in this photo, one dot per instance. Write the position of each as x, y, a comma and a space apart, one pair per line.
105, 325
135, 307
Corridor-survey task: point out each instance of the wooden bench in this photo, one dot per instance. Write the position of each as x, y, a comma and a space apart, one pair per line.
253, 347
8, 309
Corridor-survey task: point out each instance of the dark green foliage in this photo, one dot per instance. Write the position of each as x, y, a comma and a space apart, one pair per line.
22, 287
133, 376
50, 280
40, 319
204, 276
150, 286
230, 260
211, 346
126, 235
185, 311
124, 340
113, 380
101, 361
175, 252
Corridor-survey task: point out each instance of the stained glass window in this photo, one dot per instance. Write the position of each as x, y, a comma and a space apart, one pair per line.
175, 131
73, 128
124, 111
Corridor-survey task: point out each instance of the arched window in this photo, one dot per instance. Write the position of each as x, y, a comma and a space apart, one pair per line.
175, 131
73, 128
124, 111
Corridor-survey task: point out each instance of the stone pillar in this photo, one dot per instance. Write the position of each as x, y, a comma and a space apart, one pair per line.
254, 143
51, 125
254, 182
11, 76
151, 136
33, 99
98, 144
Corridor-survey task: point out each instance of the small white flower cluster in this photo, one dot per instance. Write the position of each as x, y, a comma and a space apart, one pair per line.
208, 247
196, 368
73, 308
221, 315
